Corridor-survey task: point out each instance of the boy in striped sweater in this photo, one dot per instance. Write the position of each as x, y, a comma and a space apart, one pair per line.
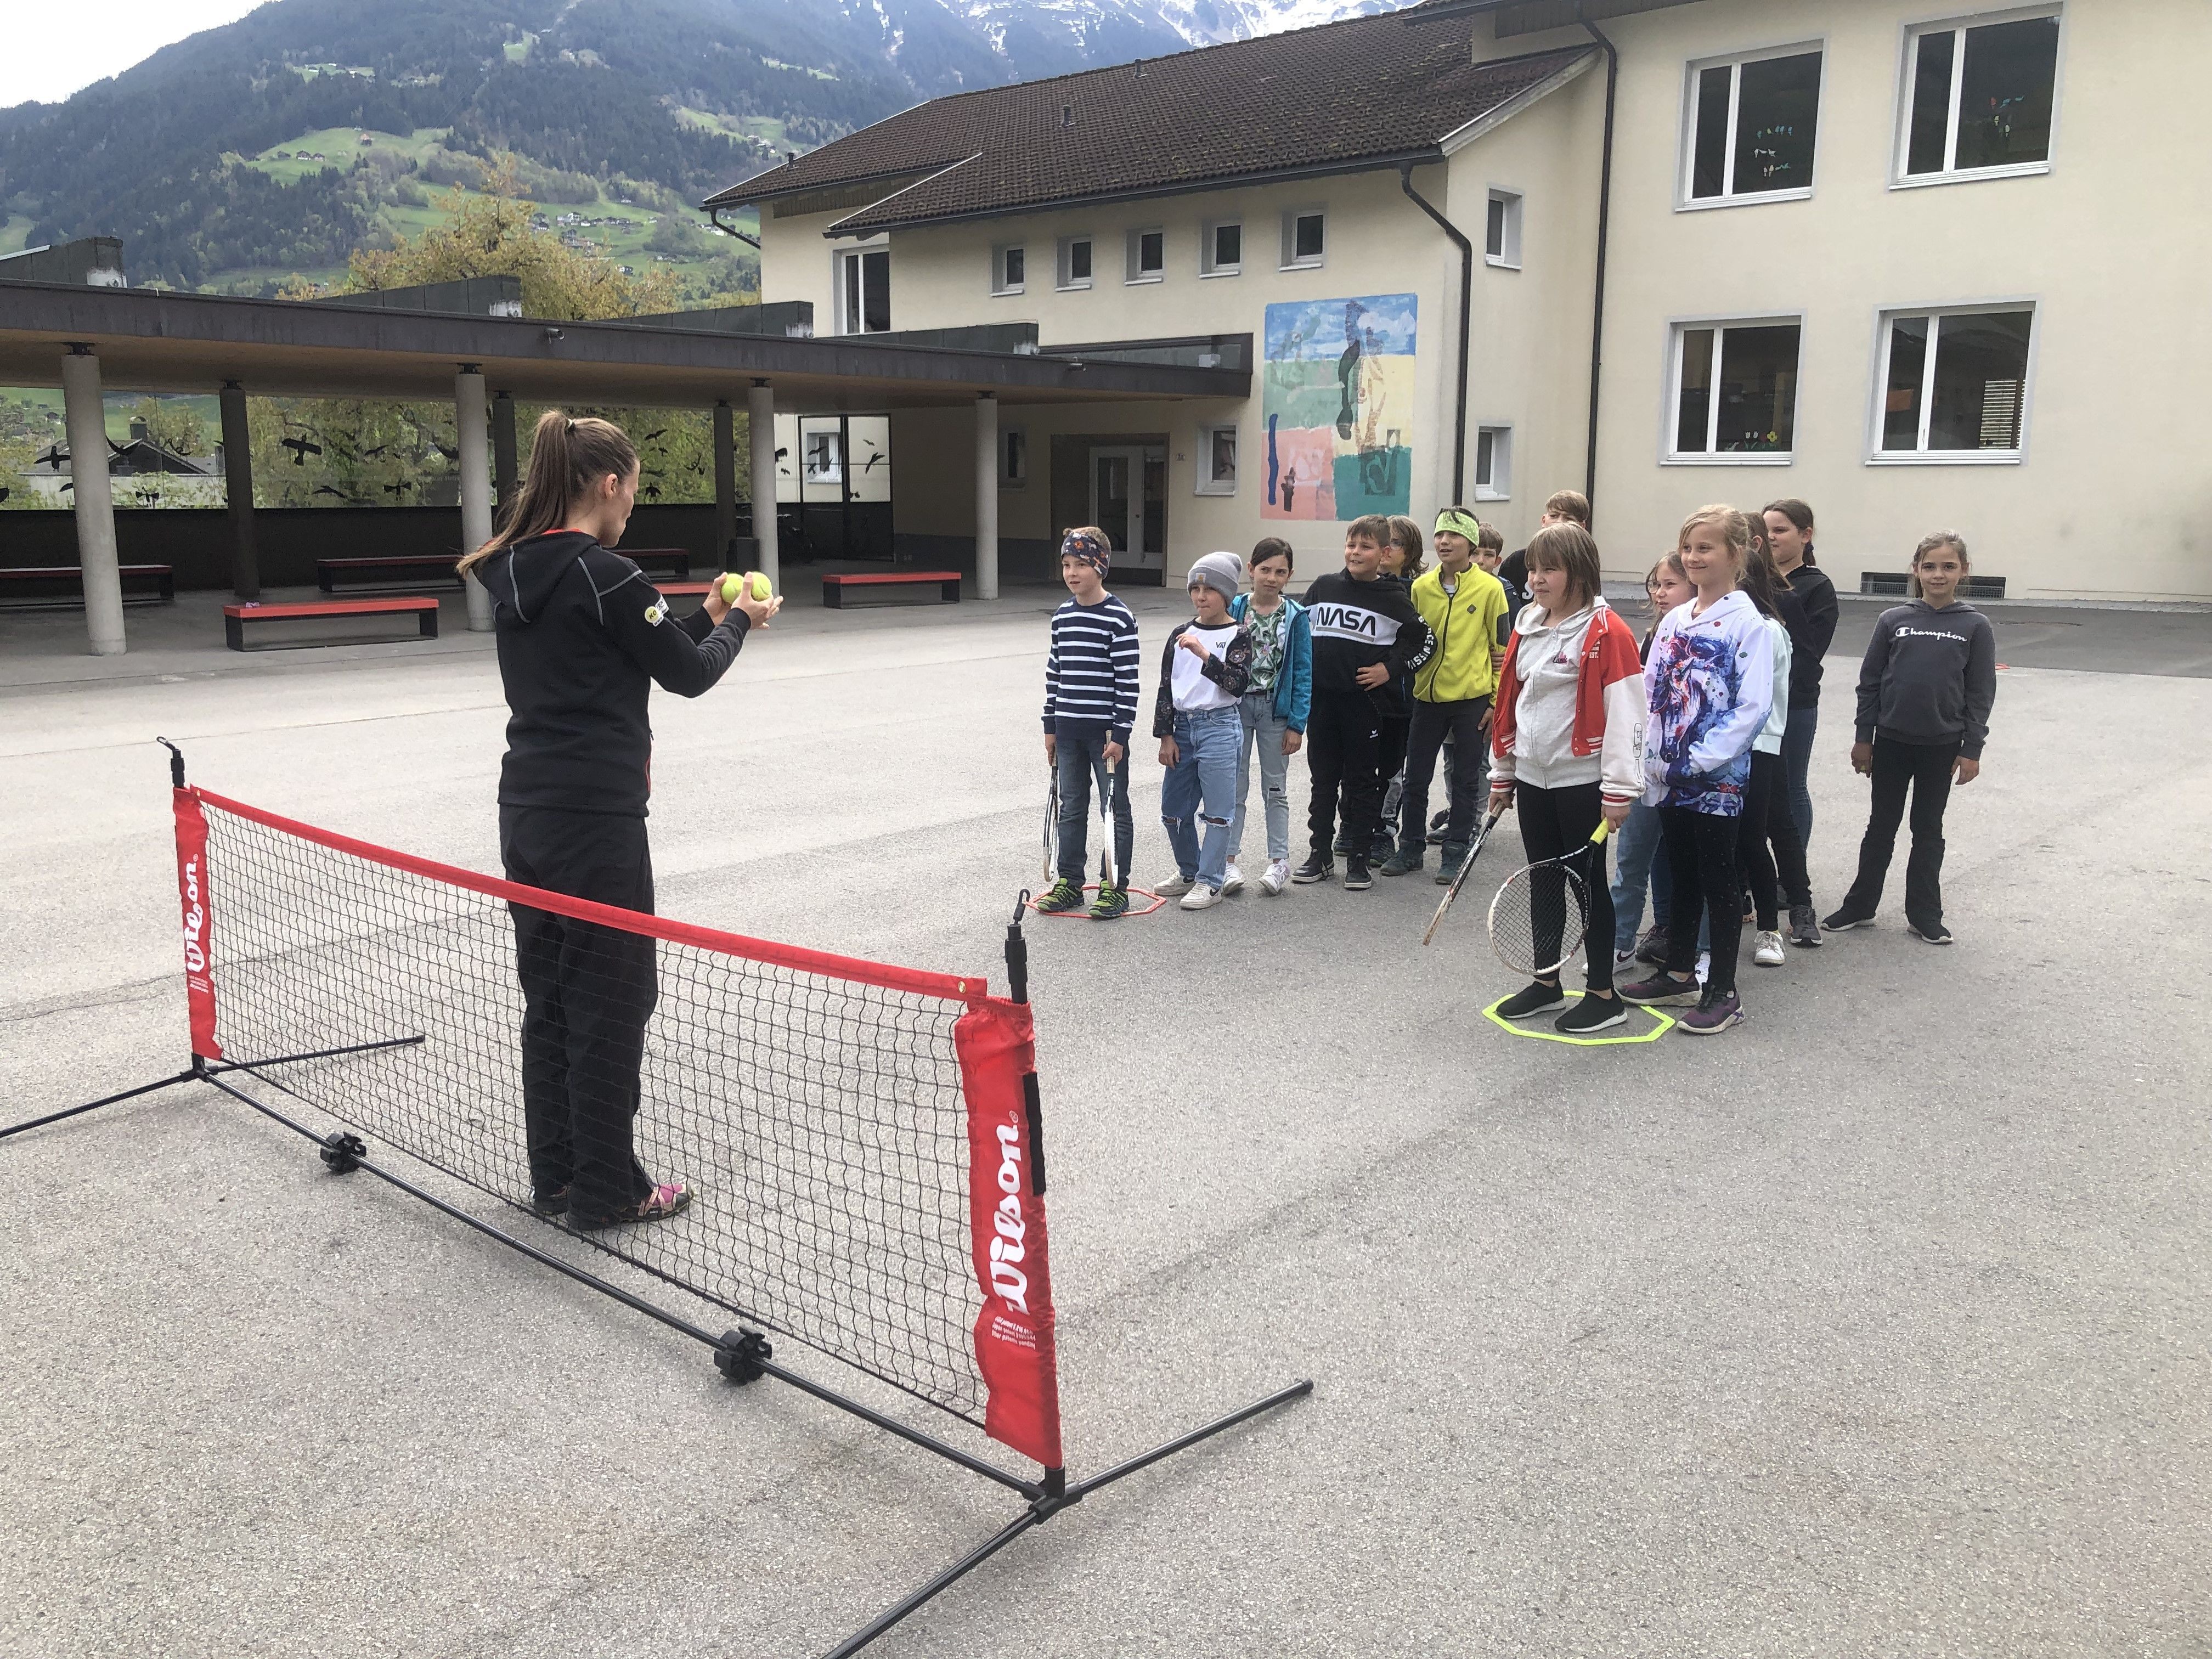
1090, 704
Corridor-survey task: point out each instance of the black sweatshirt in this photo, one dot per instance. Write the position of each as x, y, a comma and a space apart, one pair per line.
583, 637
1930, 677
1357, 623
1810, 638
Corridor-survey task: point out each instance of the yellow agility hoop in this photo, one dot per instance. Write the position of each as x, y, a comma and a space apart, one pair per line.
1666, 1025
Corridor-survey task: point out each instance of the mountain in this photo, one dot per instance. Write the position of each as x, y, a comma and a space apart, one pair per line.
278, 144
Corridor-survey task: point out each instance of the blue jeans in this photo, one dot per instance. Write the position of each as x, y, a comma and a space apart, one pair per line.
1635, 869
1080, 760
1262, 731
1797, 762
1202, 786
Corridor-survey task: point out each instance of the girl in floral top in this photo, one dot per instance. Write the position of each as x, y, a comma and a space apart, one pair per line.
1276, 701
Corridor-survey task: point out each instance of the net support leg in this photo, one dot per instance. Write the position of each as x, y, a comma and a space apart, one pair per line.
94, 1105
314, 1053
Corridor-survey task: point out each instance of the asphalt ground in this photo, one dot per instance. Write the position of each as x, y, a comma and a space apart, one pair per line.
1877, 1326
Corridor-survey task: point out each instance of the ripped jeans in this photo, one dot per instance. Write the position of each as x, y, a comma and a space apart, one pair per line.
1202, 788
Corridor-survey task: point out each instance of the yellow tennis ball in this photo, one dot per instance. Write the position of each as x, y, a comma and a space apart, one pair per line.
733, 585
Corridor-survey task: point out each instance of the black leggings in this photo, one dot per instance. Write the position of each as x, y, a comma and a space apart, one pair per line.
1767, 821
1555, 822
1701, 857
1924, 768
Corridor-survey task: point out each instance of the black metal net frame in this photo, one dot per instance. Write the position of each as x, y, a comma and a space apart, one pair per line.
831, 1159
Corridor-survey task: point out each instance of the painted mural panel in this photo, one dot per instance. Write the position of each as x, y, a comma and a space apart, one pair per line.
1337, 399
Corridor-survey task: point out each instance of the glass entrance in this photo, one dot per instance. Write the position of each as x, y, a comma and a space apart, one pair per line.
1129, 502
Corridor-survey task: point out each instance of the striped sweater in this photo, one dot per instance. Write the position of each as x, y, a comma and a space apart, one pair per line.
1091, 671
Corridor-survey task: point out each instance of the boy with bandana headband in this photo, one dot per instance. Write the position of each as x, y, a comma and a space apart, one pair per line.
1089, 705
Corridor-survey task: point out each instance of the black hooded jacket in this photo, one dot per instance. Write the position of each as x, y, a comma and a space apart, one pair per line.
583, 635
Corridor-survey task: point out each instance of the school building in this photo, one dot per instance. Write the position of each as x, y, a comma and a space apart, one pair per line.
1922, 268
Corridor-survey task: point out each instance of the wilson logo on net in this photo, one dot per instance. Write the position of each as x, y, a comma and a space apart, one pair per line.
1010, 1283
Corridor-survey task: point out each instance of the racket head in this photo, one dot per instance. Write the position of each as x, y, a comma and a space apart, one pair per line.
1538, 918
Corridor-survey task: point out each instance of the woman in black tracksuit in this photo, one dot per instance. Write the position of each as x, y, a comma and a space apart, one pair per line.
1812, 631
582, 638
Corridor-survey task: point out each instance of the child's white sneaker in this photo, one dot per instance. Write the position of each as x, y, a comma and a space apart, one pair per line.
1173, 887
1233, 881
1201, 898
1769, 953
1278, 877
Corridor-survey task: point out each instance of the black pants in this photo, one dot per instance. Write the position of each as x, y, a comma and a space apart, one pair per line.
1344, 754
1924, 768
1433, 724
1554, 822
1701, 861
1395, 731
588, 992
1767, 823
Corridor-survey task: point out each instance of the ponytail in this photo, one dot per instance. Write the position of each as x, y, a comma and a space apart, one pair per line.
567, 460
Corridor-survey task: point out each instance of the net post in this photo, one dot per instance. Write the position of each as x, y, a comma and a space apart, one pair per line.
1017, 954
176, 763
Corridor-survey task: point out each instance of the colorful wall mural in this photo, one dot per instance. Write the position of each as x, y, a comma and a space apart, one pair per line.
1337, 400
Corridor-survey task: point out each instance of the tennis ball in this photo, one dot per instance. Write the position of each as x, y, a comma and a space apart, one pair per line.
733, 585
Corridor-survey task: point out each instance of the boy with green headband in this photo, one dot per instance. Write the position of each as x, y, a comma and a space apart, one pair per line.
1464, 608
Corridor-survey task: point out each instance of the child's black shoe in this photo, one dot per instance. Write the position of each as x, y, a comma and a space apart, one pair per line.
1315, 868
1356, 876
1592, 1013
1538, 998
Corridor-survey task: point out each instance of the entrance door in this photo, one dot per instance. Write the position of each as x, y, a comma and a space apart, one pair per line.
1129, 502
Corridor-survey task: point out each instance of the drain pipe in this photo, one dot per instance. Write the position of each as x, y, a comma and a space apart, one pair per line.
714, 218
1466, 314
1604, 236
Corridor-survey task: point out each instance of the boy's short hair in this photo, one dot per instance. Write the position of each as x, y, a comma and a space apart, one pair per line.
1572, 549
1270, 547
1369, 527
1569, 504
1492, 539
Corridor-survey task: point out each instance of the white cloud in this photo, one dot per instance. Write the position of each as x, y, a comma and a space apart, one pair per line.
53, 50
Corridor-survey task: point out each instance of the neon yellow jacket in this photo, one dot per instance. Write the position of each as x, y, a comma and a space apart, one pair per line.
1466, 624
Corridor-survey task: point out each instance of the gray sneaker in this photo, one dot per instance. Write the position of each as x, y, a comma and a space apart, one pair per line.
1173, 887
1804, 927
1404, 862
1454, 856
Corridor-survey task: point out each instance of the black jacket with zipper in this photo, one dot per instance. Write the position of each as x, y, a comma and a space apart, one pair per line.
583, 637
1811, 632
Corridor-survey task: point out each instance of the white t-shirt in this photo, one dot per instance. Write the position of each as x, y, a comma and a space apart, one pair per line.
1194, 692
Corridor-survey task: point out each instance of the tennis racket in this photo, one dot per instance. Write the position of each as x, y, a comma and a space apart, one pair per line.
1051, 822
1468, 864
1538, 920
1109, 875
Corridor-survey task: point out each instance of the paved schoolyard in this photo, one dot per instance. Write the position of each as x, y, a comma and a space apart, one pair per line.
1878, 1326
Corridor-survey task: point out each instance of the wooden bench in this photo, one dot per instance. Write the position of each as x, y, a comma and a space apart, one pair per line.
235, 616
164, 578
947, 583
405, 572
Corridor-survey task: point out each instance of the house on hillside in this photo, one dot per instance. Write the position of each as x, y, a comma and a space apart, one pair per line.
1909, 266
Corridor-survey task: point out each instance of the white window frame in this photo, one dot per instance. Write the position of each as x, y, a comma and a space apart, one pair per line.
1009, 477
847, 325
1202, 482
1876, 455
1908, 59
1672, 380
1291, 261
1000, 285
1064, 280
1133, 252
1686, 172
1500, 487
1508, 258
1206, 267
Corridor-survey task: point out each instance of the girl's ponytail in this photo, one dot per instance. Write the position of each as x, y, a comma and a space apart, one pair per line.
566, 460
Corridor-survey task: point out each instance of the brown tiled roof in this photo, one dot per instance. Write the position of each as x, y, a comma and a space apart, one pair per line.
1367, 91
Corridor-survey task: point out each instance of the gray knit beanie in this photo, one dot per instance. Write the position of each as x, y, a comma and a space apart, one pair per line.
1222, 571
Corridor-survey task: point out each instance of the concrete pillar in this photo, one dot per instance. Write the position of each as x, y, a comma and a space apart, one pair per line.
726, 480
95, 506
986, 496
476, 483
503, 475
760, 422
238, 490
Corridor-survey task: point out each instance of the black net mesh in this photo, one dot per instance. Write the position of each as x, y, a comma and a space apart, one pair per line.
818, 1121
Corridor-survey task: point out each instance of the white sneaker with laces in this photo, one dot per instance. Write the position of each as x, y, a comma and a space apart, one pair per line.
1769, 953
1623, 959
1173, 887
1201, 898
1277, 878
1233, 881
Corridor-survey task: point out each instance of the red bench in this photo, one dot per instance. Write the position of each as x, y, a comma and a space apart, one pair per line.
406, 571
164, 578
236, 618
947, 583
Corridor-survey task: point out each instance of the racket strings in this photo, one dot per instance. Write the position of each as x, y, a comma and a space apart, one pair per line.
1538, 918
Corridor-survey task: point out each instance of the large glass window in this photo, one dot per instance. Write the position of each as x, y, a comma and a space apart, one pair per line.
1735, 389
1751, 127
1955, 383
866, 290
1981, 96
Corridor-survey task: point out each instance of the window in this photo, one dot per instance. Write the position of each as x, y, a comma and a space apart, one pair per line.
1493, 462
1735, 390
1751, 129
1978, 99
1302, 229
1501, 243
1074, 262
1223, 254
1954, 384
864, 291
1009, 267
1147, 255
1013, 458
1216, 460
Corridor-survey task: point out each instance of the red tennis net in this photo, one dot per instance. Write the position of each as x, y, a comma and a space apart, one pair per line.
861, 1140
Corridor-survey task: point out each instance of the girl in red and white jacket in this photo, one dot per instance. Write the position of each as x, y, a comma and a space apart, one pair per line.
1567, 742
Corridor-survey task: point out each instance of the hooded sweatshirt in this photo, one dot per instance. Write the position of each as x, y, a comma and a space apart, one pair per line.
1357, 623
1812, 630
1930, 677
1571, 704
583, 636
1710, 686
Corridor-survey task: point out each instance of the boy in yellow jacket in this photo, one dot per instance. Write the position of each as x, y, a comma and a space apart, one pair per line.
1464, 607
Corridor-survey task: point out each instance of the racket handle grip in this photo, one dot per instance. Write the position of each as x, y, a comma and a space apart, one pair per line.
1598, 835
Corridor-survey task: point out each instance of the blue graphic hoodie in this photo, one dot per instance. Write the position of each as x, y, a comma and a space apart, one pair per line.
1709, 681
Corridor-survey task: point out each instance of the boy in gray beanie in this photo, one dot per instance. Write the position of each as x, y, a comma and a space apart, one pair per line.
1207, 665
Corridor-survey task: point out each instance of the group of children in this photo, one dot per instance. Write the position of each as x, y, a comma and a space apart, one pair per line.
1697, 740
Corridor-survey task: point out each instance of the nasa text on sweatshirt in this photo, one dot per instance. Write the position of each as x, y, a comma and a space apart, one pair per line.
1356, 624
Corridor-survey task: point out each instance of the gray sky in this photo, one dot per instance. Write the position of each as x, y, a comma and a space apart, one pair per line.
55, 48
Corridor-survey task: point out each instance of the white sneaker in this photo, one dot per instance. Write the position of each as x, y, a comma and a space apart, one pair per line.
1623, 960
1769, 954
1233, 881
1277, 875
1173, 887
1201, 898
